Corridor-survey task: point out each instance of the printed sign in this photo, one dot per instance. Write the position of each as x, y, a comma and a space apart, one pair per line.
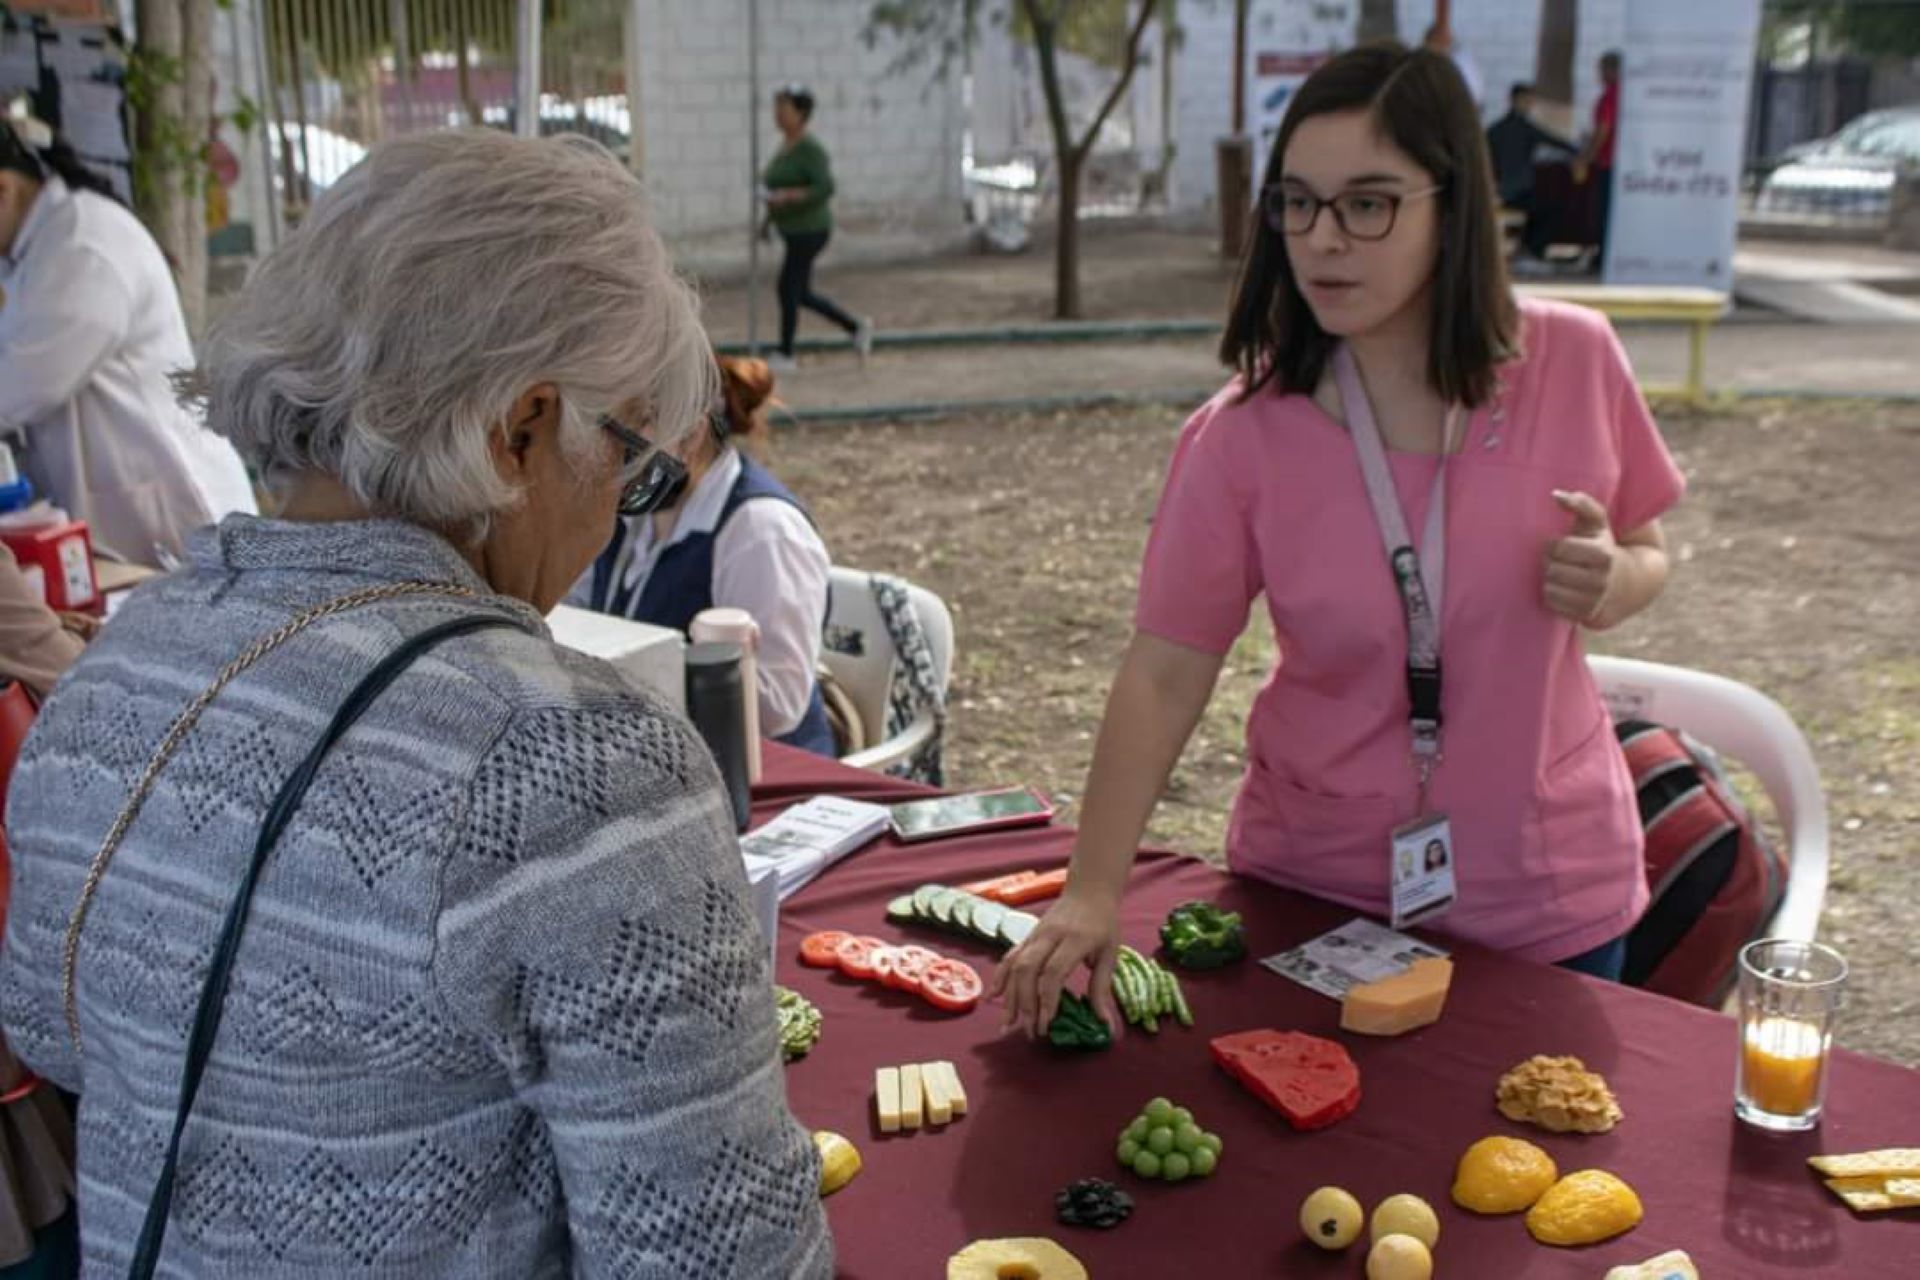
1286, 41
1683, 119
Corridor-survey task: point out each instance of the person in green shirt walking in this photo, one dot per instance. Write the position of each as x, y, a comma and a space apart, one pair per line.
799, 186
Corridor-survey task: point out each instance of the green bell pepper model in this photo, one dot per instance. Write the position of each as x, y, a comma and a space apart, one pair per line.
1199, 935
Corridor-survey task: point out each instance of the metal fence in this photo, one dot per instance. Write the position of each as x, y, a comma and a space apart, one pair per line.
343, 74
1796, 104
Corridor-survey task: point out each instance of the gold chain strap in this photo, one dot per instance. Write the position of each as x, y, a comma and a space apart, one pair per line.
182, 725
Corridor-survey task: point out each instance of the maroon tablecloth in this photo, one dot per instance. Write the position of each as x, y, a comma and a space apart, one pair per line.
1743, 1204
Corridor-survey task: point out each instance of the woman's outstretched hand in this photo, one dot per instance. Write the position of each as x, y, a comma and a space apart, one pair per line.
1080, 929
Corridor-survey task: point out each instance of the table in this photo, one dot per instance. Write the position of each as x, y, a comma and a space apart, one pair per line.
1743, 1204
1696, 308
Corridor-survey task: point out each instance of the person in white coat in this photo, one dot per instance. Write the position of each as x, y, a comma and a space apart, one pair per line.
91, 333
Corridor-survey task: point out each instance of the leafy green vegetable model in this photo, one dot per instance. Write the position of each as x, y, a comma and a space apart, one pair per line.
1077, 1026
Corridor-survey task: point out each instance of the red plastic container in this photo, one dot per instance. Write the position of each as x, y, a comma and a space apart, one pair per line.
60, 557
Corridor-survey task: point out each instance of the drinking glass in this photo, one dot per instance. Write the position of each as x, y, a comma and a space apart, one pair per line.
1790, 994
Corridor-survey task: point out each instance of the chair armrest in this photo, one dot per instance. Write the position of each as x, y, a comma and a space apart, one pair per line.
884, 755
1807, 859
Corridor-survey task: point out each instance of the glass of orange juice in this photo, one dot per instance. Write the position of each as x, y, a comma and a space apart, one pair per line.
1790, 994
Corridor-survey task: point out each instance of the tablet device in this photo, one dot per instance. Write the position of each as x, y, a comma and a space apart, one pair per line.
969, 812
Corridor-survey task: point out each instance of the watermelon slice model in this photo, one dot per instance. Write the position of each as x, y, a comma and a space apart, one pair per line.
1310, 1081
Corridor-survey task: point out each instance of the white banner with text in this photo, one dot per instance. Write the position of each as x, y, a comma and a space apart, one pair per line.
1682, 145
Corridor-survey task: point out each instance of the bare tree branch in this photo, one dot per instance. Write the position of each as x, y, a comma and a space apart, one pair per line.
1128, 64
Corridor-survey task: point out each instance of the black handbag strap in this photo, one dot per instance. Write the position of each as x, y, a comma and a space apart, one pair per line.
206, 1018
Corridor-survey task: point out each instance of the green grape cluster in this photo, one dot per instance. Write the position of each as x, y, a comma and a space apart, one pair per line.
1164, 1142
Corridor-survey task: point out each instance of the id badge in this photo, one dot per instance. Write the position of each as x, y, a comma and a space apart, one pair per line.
1422, 870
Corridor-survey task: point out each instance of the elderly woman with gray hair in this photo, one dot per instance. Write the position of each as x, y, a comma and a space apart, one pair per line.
380, 935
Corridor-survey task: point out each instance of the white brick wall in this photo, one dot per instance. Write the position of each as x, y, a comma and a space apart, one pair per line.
894, 138
1502, 38
1202, 100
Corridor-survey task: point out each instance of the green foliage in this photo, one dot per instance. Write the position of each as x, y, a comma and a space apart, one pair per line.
1869, 28
1094, 29
1882, 30
929, 33
936, 32
246, 116
164, 150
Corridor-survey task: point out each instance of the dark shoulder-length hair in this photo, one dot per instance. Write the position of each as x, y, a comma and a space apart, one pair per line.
1422, 106
58, 158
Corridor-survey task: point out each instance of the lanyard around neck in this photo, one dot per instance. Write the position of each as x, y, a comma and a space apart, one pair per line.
1419, 573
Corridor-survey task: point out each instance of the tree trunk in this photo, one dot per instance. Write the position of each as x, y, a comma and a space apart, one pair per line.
1070, 158
1066, 258
1378, 21
1066, 163
1553, 58
178, 34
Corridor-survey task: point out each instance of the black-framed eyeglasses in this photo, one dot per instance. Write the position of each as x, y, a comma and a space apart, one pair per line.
661, 476
1364, 215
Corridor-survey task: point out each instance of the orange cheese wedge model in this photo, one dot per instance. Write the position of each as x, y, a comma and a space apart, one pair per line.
1394, 1006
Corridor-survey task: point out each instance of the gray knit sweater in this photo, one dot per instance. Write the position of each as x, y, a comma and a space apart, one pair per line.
502, 1008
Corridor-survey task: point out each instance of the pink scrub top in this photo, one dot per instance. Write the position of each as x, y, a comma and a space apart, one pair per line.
1266, 497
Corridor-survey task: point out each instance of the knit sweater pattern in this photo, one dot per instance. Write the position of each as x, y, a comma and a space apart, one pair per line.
501, 1009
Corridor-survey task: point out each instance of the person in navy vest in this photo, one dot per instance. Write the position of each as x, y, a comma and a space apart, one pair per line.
726, 533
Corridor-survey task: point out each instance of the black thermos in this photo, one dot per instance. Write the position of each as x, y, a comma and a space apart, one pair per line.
717, 705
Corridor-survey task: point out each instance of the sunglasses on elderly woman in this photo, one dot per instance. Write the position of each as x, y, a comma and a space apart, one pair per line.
661, 478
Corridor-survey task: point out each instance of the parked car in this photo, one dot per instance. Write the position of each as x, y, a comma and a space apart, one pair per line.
1850, 174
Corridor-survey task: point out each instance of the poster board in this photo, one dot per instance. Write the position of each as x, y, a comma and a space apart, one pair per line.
1287, 40
1684, 90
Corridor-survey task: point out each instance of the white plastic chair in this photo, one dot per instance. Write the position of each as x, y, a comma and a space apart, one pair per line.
1745, 725
866, 674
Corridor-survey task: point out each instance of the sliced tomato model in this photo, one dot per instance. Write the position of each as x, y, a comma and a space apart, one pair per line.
854, 954
952, 985
821, 949
909, 965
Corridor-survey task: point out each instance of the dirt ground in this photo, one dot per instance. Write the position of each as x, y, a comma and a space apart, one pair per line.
1795, 562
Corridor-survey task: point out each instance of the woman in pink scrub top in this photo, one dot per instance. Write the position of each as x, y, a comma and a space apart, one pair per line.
1378, 263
